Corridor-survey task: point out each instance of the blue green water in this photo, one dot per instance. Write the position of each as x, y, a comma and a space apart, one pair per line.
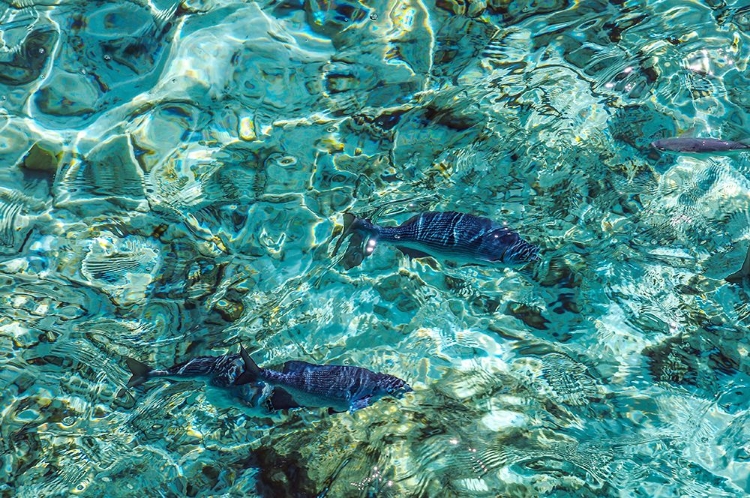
173, 179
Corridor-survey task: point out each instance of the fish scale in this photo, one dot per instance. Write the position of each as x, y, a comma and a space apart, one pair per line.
339, 387
433, 228
325, 379
427, 229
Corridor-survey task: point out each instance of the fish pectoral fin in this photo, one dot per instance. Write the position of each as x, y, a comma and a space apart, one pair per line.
413, 253
359, 404
281, 400
139, 370
252, 371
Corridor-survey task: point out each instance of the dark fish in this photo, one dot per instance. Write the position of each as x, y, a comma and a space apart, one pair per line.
223, 371
741, 274
454, 236
339, 387
697, 145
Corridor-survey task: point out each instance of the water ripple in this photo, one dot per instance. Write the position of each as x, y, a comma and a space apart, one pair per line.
172, 182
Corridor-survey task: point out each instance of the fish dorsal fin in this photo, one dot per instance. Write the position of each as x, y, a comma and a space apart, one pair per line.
250, 365
296, 366
139, 370
743, 272
252, 370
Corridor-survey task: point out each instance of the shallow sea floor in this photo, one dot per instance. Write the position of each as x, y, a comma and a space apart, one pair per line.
172, 183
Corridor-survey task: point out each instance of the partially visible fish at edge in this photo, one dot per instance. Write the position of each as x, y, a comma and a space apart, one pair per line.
698, 145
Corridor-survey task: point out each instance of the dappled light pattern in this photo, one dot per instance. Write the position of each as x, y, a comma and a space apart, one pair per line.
173, 179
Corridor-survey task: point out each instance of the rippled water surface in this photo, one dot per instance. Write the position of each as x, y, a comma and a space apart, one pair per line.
172, 182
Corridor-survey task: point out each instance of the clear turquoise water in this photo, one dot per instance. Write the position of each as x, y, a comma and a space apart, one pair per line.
172, 179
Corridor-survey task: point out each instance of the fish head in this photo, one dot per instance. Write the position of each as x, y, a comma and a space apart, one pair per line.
356, 252
248, 371
501, 244
361, 244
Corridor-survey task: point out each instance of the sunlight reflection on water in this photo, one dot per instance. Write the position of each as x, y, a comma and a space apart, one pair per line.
173, 177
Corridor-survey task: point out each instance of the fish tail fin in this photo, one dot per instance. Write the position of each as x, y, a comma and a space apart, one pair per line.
139, 370
735, 277
252, 370
742, 273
